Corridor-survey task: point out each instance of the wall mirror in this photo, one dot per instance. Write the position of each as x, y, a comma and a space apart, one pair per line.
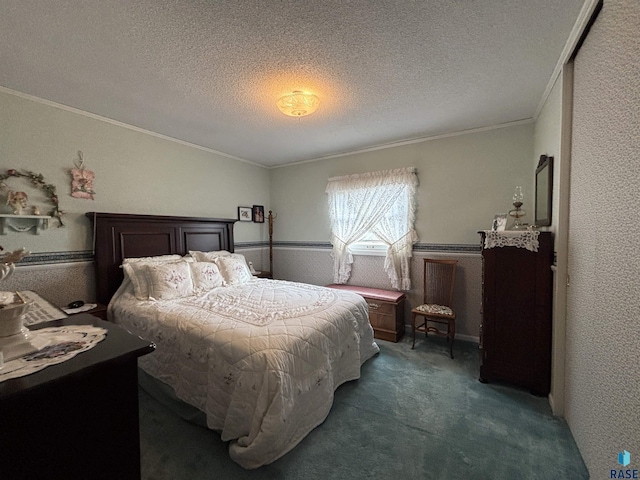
544, 190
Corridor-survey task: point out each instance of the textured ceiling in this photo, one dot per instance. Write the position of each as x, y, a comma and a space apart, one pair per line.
209, 72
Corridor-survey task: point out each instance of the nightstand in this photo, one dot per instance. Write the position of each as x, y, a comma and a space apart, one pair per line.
100, 311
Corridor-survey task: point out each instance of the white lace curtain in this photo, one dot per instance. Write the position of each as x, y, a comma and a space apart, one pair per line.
383, 202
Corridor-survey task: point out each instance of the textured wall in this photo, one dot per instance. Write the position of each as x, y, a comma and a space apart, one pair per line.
315, 266
464, 181
60, 284
135, 173
603, 323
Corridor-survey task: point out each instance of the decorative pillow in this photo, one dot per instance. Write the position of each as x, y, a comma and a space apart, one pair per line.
160, 258
205, 276
234, 269
138, 279
169, 280
134, 269
208, 256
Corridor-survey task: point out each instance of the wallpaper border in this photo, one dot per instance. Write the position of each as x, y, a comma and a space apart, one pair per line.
56, 257
87, 255
418, 247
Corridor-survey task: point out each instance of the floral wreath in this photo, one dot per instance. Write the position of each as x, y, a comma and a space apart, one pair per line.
37, 180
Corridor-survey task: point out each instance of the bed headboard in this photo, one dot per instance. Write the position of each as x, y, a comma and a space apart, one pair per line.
118, 236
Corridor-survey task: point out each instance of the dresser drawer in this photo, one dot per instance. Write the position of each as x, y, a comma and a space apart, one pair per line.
378, 307
384, 322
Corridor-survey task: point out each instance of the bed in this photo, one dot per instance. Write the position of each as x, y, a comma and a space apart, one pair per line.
260, 358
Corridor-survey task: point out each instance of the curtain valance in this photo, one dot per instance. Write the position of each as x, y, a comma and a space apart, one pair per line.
404, 176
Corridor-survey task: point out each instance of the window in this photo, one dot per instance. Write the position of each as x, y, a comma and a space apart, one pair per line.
375, 212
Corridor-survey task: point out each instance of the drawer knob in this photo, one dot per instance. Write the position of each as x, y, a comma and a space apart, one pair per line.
374, 305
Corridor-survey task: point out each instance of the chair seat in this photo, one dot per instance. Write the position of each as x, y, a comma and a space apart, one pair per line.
432, 308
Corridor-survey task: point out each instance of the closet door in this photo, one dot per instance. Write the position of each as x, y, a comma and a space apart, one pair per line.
603, 305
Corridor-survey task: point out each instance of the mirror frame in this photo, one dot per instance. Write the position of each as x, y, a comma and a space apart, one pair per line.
545, 168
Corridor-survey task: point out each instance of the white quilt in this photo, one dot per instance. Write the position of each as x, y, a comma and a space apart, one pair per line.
261, 360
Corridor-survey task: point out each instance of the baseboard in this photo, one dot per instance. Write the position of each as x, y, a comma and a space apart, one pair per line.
468, 338
459, 336
557, 410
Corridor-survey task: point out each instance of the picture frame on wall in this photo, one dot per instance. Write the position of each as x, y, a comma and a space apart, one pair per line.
499, 222
258, 214
245, 214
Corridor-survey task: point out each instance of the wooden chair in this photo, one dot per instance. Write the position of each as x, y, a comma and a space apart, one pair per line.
439, 279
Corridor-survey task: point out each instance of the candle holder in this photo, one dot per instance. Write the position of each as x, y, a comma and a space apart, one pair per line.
518, 212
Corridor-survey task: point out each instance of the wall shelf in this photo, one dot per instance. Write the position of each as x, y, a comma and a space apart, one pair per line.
24, 223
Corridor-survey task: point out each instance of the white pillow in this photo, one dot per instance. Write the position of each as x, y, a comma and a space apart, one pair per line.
234, 269
205, 276
168, 280
159, 258
138, 279
208, 256
134, 269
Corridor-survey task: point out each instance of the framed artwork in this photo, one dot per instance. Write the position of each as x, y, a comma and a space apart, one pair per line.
499, 222
244, 214
258, 214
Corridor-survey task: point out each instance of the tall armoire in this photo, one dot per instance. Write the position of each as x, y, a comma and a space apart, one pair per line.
515, 333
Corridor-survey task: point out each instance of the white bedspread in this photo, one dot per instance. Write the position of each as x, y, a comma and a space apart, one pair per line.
261, 360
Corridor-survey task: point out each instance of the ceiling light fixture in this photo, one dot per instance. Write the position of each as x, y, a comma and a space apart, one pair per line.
298, 104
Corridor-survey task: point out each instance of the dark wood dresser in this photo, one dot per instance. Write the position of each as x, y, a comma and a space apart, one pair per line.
515, 332
78, 419
386, 310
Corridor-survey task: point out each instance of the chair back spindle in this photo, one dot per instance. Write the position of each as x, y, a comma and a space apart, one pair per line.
439, 280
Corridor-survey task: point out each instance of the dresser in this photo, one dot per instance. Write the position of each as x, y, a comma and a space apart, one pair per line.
515, 331
386, 310
77, 419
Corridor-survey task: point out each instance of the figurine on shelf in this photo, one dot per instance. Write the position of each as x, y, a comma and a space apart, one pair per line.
17, 201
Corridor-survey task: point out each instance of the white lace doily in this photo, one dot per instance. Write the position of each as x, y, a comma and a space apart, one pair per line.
63, 343
512, 238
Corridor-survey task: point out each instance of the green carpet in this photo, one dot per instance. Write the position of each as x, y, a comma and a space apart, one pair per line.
414, 414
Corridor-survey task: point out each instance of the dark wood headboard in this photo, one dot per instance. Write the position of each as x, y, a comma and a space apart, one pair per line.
118, 236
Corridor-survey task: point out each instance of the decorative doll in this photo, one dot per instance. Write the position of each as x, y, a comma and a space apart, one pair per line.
17, 201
